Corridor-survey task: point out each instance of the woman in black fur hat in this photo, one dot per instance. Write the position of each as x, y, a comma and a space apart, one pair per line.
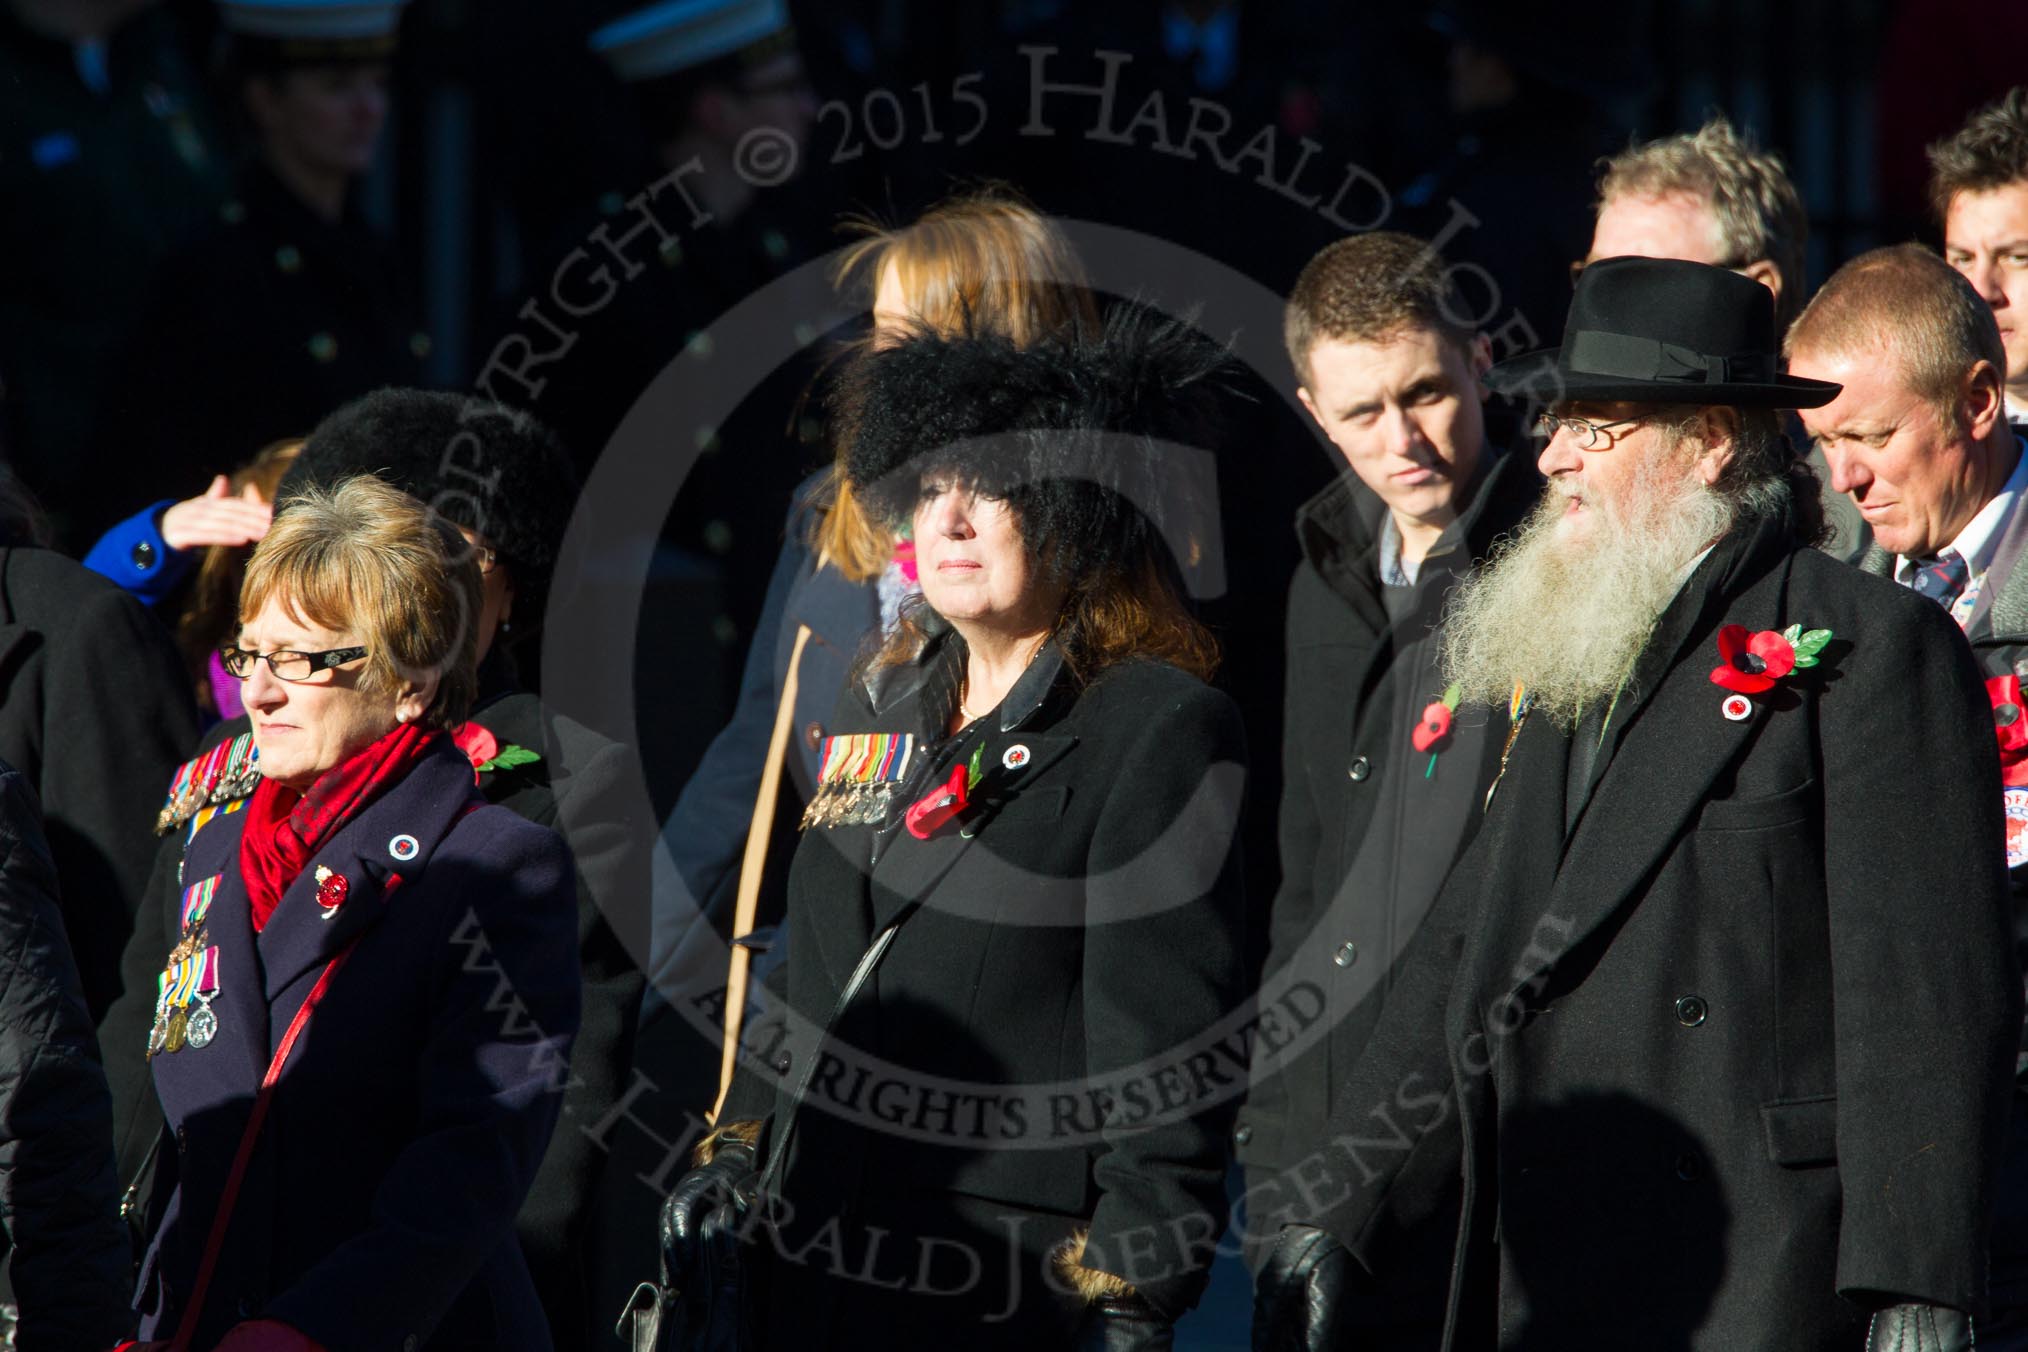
983, 1084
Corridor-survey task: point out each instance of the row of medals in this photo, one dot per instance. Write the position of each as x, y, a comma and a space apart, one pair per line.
180, 1027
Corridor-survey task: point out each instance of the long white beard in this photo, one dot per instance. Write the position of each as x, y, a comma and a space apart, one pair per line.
1567, 618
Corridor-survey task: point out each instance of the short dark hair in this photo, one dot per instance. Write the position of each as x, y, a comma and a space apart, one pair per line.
1369, 288
1989, 151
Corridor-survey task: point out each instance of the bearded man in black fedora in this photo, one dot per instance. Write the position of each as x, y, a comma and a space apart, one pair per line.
1716, 1017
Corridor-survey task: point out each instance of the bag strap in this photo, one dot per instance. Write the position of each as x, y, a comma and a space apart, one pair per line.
862, 972
747, 906
186, 1328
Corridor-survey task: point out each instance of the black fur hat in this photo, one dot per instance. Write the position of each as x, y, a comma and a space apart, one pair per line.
1087, 435
481, 465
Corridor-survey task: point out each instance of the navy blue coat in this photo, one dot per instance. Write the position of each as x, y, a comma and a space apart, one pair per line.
404, 1132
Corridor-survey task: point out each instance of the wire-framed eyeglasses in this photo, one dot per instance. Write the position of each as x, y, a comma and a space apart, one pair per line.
287, 664
1584, 434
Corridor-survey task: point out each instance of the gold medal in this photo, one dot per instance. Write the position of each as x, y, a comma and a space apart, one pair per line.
172, 1041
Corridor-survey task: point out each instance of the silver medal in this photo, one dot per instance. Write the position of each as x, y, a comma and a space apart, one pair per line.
203, 1026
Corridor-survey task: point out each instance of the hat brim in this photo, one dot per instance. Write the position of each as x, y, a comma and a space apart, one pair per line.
1535, 376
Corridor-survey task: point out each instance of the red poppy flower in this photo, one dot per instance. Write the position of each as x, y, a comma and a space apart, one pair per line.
2010, 726
1434, 727
478, 744
1752, 665
940, 804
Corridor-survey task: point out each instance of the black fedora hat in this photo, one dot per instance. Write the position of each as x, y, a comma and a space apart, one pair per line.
1663, 331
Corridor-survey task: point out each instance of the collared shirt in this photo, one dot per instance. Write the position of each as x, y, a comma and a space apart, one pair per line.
1978, 541
1396, 571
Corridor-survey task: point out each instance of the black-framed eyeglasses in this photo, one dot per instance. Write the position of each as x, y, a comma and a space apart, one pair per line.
288, 664
1585, 434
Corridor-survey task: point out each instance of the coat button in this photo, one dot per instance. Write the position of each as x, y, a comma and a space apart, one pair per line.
1688, 1167
813, 734
1361, 768
782, 1064
1242, 1135
1690, 1010
1347, 954
143, 555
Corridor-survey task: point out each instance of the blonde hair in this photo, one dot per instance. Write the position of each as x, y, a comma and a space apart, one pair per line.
1753, 201
365, 557
212, 615
981, 262
1905, 299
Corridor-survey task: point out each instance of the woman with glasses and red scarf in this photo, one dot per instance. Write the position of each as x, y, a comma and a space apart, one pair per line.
360, 1028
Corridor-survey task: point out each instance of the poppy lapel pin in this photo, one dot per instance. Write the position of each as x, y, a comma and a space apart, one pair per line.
1753, 664
947, 801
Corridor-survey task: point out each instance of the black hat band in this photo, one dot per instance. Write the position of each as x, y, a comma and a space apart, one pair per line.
1594, 352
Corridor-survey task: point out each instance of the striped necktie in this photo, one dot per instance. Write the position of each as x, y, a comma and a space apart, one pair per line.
1941, 577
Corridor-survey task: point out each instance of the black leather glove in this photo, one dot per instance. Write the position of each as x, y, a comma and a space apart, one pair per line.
1124, 1324
1297, 1294
704, 1219
1920, 1328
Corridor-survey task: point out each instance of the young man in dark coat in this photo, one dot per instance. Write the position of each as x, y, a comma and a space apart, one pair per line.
1920, 442
1373, 809
1716, 1018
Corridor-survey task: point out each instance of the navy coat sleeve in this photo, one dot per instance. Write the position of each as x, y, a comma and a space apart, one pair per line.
491, 1070
134, 557
70, 1253
706, 832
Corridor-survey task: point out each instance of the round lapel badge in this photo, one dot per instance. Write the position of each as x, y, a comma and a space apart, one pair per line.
1738, 708
2015, 801
1014, 757
403, 848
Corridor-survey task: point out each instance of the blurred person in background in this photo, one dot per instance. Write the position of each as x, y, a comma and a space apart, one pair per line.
287, 303
1714, 196
1979, 191
203, 541
507, 485
109, 152
984, 260
709, 220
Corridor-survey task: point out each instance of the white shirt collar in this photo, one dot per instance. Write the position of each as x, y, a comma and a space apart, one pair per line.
1976, 543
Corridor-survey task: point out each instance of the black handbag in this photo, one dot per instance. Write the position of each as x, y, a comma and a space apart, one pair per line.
713, 1310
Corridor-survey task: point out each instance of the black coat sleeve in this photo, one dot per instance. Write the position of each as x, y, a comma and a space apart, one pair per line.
57, 1185
1925, 988
1164, 961
118, 719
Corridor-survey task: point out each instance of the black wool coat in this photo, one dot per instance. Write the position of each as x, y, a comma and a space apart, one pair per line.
69, 1255
1341, 735
576, 789
1044, 1032
1728, 1061
96, 711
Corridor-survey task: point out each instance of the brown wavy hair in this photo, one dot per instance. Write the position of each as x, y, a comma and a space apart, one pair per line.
212, 615
982, 261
